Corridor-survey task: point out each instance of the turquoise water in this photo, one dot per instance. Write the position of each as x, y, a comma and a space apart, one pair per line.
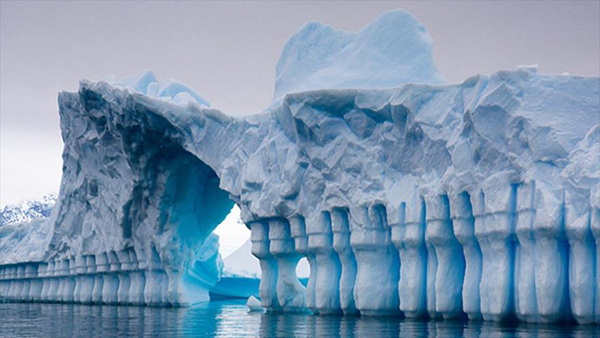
230, 319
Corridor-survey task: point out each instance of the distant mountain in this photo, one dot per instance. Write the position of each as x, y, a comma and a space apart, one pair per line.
27, 211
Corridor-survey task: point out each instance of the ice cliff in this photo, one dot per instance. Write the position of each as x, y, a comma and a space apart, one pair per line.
479, 199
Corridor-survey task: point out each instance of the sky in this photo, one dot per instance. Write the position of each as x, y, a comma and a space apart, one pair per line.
227, 52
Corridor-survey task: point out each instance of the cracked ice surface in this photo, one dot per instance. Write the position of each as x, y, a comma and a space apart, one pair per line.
480, 198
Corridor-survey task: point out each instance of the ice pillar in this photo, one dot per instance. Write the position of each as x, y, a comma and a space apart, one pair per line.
298, 231
341, 244
409, 237
111, 280
376, 288
155, 292
464, 230
268, 265
102, 267
290, 293
525, 294
138, 281
582, 264
320, 244
494, 228
87, 279
450, 262
595, 226
551, 256
52, 273
124, 277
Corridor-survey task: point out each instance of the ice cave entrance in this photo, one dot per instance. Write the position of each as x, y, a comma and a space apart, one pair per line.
200, 207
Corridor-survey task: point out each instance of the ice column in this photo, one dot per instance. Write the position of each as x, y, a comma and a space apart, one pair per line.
80, 270
123, 276
138, 281
450, 267
102, 267
464, 230
9, 283
20, 283
494, 228
87, 279
35, 284
376, 288
525, 294
52, 273
290, 293
111, 281
43, 281
409, 238
298, 231
69, 290
3, 284
595, 226
62, 271
268, 266
582, 264
155, 293
551, 256
16, 284
341, 244
320, 244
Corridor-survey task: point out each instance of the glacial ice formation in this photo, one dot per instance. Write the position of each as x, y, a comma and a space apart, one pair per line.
479, 199
27, 211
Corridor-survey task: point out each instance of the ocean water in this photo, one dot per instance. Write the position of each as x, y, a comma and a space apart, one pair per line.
230, 319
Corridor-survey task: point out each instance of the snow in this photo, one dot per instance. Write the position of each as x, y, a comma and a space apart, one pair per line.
27, 211
404, 195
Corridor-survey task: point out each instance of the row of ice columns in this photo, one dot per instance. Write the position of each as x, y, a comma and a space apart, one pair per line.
105, 278
489, 255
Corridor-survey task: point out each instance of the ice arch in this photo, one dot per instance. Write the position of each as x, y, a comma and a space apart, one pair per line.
147, 203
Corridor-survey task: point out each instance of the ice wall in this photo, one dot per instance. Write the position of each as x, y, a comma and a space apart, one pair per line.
479, 199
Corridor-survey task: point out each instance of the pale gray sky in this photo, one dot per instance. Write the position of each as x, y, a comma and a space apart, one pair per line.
227, 52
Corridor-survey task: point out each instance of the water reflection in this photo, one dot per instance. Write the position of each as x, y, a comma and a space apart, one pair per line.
230, 319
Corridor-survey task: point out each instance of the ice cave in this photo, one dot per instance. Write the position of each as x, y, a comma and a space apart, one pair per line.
408, 196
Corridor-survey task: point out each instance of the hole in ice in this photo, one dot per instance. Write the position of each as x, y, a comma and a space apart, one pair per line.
303, 269
232, 233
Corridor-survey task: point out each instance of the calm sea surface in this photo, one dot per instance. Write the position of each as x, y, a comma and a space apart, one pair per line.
230, 319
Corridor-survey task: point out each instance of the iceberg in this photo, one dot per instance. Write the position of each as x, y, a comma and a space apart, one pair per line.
408, 196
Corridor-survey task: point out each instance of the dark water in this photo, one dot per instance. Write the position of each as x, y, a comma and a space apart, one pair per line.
230, 319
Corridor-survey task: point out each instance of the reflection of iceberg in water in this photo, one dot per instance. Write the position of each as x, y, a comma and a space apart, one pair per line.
231, 319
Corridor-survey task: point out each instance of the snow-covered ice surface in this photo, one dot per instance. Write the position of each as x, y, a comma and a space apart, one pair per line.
27, 211
392, 50
480, 198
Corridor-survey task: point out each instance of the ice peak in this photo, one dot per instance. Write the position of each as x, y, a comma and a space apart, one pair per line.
171, 90
392, 50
